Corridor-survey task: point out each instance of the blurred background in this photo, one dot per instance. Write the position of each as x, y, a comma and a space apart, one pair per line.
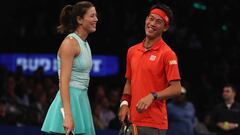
205, 36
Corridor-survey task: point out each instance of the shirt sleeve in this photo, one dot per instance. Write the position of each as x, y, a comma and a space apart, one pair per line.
171, 66
128, 73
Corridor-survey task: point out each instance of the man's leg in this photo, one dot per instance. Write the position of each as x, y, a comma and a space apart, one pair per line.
150, 131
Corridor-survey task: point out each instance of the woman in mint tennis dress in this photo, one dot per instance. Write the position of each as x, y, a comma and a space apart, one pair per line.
74, 65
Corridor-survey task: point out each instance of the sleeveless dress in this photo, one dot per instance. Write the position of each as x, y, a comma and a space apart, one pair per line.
80, 106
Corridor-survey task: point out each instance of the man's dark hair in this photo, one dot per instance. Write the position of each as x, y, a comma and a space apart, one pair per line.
166, 9
231, 86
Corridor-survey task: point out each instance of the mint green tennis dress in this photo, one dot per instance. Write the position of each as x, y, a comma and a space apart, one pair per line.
80, 107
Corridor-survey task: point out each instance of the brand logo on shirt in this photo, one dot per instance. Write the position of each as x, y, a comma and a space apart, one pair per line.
152, 57
172, 62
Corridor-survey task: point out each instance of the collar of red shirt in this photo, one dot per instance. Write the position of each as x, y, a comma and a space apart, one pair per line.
155, 46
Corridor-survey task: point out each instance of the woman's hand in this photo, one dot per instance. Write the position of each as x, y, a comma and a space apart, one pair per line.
68, 124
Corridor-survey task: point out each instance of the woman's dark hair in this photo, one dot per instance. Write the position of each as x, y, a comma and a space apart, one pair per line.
166, 9
68, 16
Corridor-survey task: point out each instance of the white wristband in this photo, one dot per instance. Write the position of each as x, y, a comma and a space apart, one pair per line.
124, 102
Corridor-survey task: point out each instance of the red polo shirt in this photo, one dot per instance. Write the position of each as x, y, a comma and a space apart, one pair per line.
150, 71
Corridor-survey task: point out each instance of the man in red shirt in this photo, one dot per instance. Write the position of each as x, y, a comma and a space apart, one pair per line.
152, 76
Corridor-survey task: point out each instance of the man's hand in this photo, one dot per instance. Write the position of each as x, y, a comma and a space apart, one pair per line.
226, 126
144, 103
123, 112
